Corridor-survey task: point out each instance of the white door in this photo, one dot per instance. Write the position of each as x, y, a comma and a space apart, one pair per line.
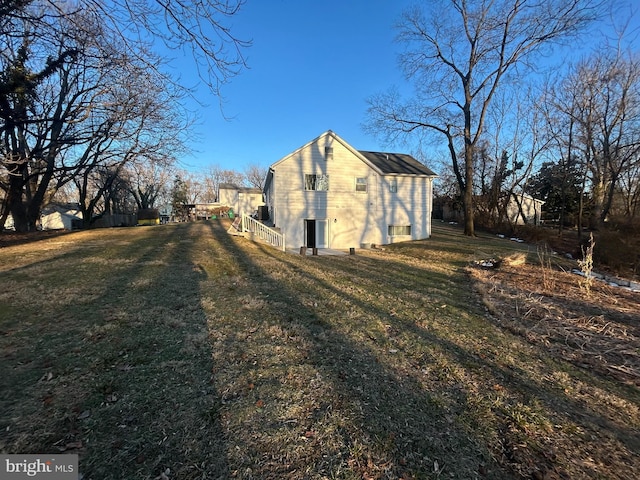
322, 233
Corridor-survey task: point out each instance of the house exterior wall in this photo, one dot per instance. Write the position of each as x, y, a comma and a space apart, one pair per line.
241, 200
353, 218
531, 208
248, 202
57, 220
228, 197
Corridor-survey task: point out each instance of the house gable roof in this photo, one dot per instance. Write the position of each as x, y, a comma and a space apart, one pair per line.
397, 164
317, 139
381, 162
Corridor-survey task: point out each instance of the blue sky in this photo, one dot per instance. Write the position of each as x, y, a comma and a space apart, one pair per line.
311, 67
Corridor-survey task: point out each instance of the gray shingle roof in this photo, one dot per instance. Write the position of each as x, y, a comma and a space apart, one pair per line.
397, 163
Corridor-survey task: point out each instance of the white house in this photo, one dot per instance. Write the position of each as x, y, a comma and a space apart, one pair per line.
60, 220
55, 217
523, 208
327, 194
240, 199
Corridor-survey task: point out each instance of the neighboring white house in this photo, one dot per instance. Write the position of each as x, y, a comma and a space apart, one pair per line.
521, 204
327, 194
240, 199
55, 217
59, 218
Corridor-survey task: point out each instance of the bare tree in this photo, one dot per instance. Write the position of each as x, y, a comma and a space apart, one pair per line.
599, 103
139, 121
41, 103
150, 181
217, 175
198, 26
55, 58
630, 187
97, 109
255, 175
459, 52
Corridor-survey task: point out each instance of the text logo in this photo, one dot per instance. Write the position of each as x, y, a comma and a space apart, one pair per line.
50, 467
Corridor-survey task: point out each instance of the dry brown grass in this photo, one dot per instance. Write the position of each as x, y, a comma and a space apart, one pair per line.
181, 351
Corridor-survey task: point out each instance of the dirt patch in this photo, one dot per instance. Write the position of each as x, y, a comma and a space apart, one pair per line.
599, 331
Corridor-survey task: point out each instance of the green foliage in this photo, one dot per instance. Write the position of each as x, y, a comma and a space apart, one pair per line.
179, 197
559, 185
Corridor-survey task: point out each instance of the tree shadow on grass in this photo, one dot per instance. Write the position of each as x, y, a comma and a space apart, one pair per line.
131, 388
525, 378
335, 404
394, 421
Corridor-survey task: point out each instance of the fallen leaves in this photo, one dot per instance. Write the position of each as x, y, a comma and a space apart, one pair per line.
163, 475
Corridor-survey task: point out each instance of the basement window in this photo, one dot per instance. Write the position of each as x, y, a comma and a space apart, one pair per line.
399, 230
316, 182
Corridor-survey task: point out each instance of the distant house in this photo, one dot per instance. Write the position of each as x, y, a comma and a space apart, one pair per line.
166, 213
523, 208
520, 208
61, 217
327, 194
204, 211
55, 217
240, 199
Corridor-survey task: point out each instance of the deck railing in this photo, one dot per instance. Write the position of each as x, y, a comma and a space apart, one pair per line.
260, 230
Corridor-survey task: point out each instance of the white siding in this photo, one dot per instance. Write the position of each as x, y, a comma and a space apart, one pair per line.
228, 197
531, 208
241, 200
248, 202
354, 217
410, 205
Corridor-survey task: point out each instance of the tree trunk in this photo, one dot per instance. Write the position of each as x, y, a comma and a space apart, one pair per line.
15, 204
467, 198
597, 209
468, 167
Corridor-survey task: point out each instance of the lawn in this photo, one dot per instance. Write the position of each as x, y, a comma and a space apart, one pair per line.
181, 352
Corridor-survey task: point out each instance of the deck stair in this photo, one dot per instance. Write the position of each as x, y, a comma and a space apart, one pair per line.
258, 230
235, 228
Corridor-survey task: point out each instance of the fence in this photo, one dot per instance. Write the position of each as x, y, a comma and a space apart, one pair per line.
260, 230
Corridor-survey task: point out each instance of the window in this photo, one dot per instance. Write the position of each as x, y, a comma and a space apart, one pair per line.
393, 185
361, 184
316, 182
328, 153
396, 230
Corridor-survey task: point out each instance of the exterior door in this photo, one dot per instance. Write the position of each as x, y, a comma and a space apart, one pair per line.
316, 233
310, 233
